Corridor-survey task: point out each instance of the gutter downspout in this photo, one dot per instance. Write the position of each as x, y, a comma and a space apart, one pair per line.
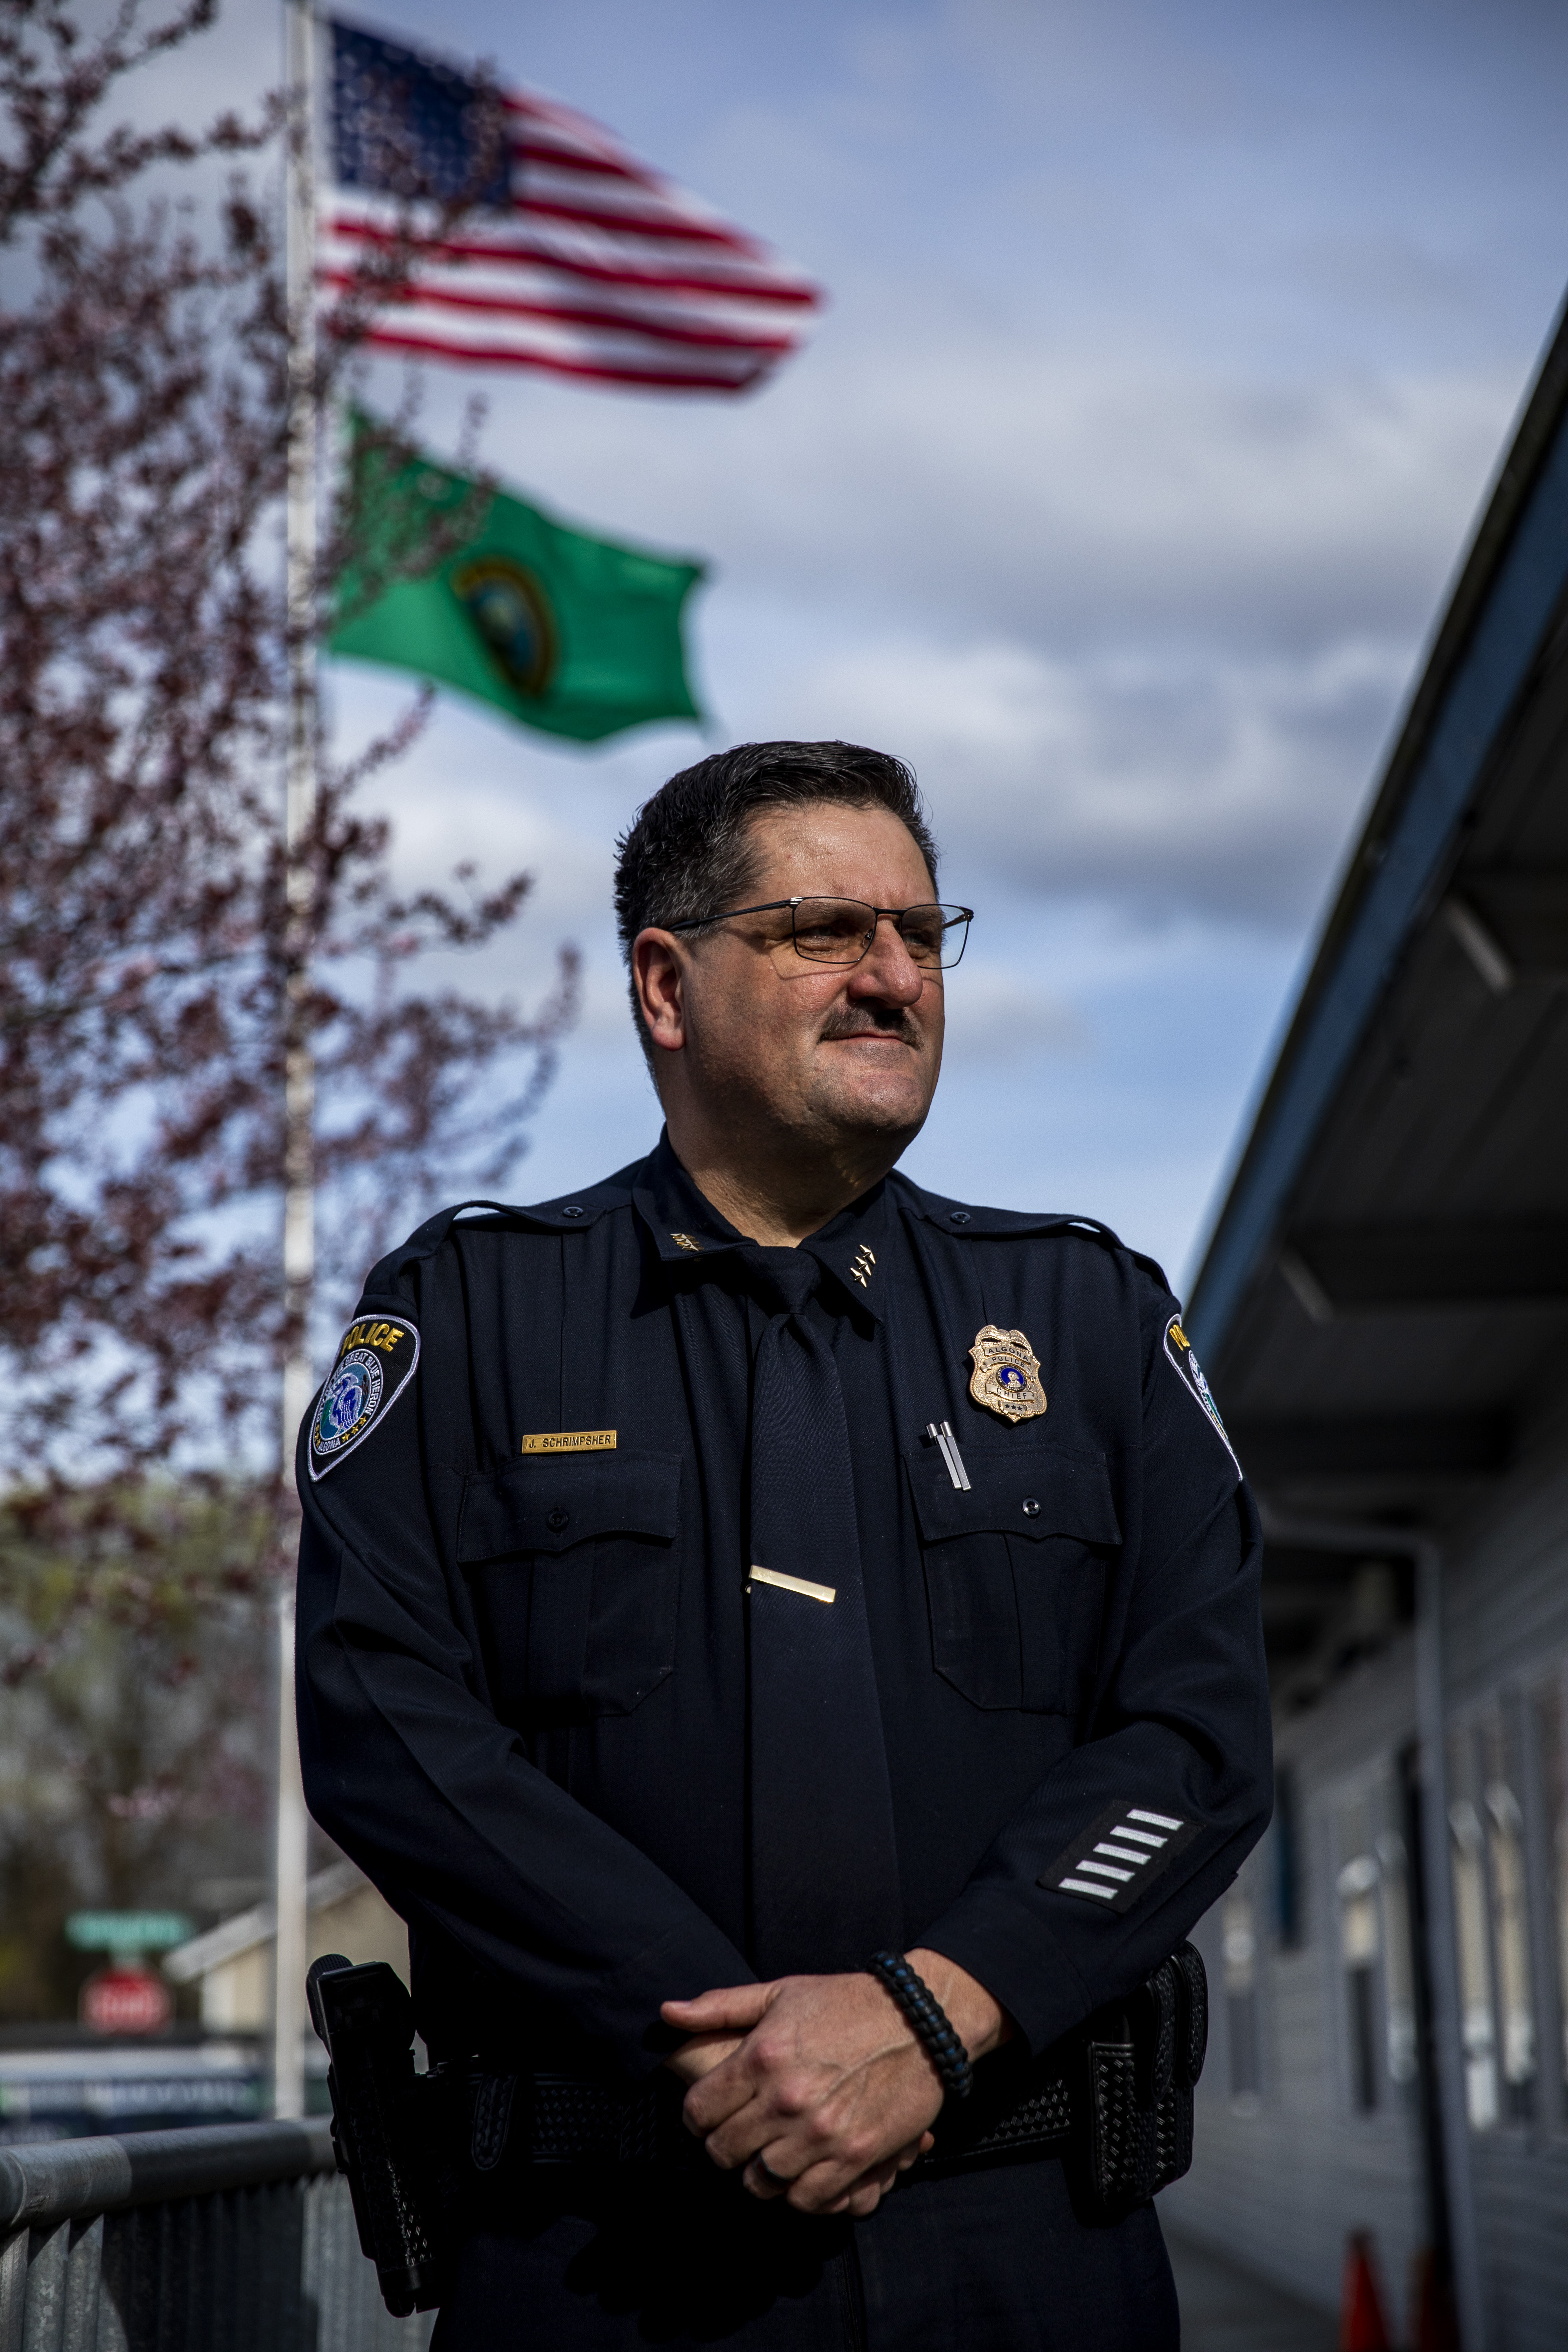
1442, 1966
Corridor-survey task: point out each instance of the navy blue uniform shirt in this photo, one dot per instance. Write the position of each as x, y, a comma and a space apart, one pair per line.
521, 1673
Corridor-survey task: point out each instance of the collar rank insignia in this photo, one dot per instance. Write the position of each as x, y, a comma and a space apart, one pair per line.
1179, 1352
1007, 1377
375, 1363
686, 1242
861, 1266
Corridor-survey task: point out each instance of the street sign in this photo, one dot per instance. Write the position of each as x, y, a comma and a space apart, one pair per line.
127, 1931
119, 1999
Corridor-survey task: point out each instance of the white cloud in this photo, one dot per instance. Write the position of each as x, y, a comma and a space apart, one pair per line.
1001, 480
999, 1013
1169, 784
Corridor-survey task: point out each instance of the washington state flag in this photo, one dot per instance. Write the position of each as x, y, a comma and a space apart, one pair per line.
569, 633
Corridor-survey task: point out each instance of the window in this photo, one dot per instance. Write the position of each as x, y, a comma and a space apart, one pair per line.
1376, 1954
1472, 1931
1360, 1946
1238, 1949
1504, 1826
1370, 1901
1287, 1857
1491, 1918
1508, 1833
1399, 1957
1552, 1726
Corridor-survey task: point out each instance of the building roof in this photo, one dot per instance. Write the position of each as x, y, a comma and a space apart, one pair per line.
1382, 1303
241, 1933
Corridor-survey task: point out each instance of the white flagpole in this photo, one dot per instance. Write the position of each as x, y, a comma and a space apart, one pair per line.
299, 1072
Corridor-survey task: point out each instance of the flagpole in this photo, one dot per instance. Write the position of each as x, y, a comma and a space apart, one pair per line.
299, 1059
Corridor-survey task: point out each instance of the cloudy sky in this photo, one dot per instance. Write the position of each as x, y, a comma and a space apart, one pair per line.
1171, 346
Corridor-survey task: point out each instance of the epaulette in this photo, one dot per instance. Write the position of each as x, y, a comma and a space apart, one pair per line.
971, 1222
570, 1212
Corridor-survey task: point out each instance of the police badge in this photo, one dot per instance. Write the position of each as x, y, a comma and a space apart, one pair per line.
1006, 1376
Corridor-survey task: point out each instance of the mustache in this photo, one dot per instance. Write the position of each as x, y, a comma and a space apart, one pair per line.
871, 1021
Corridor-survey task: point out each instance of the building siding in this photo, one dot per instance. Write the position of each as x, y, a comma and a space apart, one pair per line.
1278, 2187
1279, 2183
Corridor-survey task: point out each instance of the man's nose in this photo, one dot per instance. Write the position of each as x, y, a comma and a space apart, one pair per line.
887, 970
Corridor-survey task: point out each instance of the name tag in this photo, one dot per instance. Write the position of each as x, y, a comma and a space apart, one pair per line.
571, 1441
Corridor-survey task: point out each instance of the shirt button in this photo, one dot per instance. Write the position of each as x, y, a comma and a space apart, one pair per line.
558, 1519
571, 1212
1031, 1508
959, 1217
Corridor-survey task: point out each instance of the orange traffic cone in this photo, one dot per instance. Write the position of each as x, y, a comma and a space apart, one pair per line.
1362, 2324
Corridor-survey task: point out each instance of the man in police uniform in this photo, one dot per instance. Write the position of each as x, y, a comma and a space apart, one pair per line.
754, 1564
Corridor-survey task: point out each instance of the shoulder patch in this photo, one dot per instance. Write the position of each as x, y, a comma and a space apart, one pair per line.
1179, 1353
375, 1362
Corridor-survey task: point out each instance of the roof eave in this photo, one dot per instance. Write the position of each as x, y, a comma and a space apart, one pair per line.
1508, 585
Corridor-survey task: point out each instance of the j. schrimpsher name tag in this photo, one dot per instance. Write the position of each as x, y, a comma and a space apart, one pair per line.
571, 1441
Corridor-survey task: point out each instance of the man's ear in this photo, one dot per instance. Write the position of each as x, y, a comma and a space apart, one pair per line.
658, 975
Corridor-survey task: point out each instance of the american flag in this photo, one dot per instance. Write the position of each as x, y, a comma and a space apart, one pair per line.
576, 257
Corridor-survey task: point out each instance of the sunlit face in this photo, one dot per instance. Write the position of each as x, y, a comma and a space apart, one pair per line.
828, 1051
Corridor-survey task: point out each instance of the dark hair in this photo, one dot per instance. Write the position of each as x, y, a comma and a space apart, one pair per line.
689, 850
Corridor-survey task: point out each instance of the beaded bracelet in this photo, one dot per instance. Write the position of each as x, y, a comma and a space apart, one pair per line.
930, 2019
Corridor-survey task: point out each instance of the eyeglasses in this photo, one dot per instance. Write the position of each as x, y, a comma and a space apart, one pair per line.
840, 931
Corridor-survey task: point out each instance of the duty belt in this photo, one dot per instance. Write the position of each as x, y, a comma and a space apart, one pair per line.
1113, 2099
550, 2119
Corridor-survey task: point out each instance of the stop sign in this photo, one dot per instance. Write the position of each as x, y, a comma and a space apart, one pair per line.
125, 1998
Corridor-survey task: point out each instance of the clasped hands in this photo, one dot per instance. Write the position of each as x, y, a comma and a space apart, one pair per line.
818, 2086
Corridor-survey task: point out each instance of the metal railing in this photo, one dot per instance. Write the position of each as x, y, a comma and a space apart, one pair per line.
234, 2238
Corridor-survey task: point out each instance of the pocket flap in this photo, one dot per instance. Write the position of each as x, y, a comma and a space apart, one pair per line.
563, 1499
1020, 1489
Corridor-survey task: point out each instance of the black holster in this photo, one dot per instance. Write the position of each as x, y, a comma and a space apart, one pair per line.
1131, 2079
1113, 2098
393, 2130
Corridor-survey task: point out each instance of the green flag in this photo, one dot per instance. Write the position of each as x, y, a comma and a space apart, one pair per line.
571, 635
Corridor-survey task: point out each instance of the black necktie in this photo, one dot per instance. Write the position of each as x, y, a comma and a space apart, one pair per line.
825, 1873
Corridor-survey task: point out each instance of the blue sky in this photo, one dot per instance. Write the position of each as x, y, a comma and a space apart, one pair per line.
1169, 352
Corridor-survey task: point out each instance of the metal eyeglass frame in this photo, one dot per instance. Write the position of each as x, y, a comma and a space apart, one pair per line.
895, 914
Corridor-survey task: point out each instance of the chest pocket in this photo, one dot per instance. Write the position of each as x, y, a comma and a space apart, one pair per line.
1015, 1570
573, 1563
